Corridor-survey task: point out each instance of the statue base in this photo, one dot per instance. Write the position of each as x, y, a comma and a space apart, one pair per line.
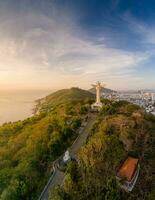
96, 106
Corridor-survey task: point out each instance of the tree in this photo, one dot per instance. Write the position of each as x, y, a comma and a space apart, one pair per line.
58, 194
112, 192
15, 191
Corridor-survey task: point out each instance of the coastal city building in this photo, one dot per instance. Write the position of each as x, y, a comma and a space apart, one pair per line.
145, 99
153, 98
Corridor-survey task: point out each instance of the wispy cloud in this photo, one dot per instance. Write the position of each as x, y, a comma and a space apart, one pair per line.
145, 31
55, 52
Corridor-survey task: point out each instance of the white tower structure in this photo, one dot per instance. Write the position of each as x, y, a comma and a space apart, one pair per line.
98, 102
153, 98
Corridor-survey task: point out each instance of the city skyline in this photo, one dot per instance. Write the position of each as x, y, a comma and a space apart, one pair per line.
54, 44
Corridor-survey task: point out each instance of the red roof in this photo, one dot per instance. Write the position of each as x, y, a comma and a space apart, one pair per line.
128, 168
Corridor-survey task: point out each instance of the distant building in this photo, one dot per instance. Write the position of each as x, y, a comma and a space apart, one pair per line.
128, 173
153, 98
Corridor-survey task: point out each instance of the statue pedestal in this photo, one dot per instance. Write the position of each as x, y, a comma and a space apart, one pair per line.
97, 105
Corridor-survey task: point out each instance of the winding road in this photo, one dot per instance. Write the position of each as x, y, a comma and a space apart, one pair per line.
57, 177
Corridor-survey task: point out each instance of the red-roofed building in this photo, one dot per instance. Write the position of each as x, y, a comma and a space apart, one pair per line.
128, 173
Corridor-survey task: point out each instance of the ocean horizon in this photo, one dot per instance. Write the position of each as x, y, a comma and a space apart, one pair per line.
18, 105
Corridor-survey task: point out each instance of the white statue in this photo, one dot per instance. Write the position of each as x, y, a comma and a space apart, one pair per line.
98, 102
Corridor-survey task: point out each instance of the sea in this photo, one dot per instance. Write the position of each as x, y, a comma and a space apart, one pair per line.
18, 105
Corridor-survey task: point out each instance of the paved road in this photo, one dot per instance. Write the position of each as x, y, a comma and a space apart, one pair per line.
58, 176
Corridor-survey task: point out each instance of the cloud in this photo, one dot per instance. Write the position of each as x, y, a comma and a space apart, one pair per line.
145, 31
48, 49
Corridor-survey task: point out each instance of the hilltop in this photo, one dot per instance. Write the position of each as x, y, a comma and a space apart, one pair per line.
61, 97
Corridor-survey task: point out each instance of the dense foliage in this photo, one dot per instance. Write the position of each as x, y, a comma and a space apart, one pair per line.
27, 148
121, 130
60, 97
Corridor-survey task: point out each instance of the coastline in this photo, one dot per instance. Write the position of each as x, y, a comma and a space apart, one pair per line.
17, 105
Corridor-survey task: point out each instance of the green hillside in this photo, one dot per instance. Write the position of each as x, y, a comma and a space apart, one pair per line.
28, 147
61, 97
121, 130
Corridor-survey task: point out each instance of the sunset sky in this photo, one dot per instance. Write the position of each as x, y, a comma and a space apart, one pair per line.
53, 44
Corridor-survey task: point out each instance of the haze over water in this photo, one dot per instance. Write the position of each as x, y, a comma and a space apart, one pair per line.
18, 105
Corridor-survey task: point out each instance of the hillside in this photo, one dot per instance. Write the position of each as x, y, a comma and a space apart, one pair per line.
121, 130
28, 147
61, 97
103, 90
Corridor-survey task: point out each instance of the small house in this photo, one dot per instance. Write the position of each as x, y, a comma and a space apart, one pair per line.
128, 173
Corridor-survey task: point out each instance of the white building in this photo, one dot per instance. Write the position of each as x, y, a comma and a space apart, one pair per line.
66, 157
153, 98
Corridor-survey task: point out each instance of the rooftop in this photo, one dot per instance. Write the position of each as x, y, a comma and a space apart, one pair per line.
128, 168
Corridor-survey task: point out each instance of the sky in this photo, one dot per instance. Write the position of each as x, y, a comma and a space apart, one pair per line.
53, 44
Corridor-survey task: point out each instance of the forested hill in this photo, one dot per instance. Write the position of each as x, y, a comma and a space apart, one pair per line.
121, 130
28, 147
62, 97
